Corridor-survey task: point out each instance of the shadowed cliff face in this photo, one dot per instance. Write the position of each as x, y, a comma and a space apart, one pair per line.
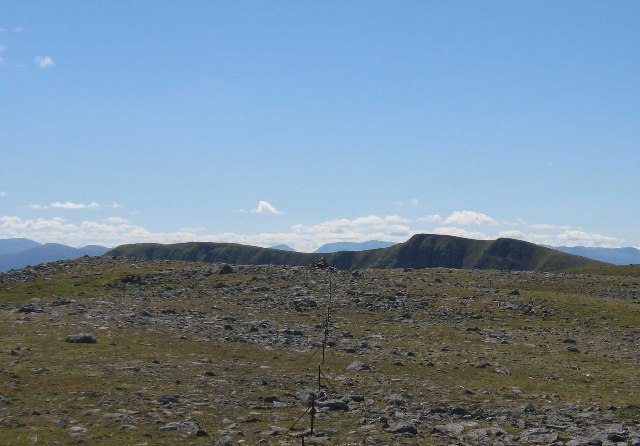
420, 251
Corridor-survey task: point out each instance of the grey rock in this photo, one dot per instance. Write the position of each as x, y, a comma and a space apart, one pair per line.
307, 395
31, 308
485, 434
453, 429
404, 428
81, 338
333, 404
357, 366
167, 399
397, 400
225, 269
224, 441
538, 435
585, 442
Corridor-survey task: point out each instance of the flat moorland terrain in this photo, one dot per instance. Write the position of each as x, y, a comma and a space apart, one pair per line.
191, 353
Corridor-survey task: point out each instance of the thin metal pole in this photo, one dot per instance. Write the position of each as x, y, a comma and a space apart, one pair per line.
313, 411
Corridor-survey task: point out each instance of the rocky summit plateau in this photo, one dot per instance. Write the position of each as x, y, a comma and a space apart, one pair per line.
121, 350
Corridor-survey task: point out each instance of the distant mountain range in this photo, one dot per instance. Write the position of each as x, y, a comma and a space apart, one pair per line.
353, 246
283, 247
617, 256
420, 251
18, 253
13, 245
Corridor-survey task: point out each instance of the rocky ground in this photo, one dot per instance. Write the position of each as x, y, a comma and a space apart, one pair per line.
123, 351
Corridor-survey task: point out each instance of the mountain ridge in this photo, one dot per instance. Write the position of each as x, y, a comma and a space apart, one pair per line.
420, 251
352, 246
15, 245
47, 252
617, 256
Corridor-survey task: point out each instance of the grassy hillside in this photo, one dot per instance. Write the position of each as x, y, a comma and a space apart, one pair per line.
421, 251
188, 356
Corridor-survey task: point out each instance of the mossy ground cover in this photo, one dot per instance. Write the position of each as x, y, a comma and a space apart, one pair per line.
441, 338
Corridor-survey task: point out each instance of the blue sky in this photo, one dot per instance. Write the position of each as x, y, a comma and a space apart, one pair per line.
310, 122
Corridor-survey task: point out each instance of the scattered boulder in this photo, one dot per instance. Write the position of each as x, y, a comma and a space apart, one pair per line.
30, 308
404, 428
538, 435
225, 269
585, 442
357, 366
333, 404
81, 338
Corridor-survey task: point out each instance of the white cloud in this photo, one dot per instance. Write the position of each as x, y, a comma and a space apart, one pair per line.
18, 29
264, 207
115, 230
511, 233
542, 226
38, 206
72, 205
344, 225
45, 62
194, 229
469, 218
413, 202
434, 218
115, 205
460, 232
117, 220
578, 237
3, 193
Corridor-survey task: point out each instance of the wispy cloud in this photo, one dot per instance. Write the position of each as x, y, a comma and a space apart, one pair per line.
433, 218
412, 202
264, 207
45, 62
72, 205
2, 48
3, 193
194, 229
469, 218
116, 220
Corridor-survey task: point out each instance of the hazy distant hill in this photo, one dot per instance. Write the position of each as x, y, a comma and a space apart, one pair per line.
617, 256
49, 252
353, 246
283, 247
420, 251
13, 245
